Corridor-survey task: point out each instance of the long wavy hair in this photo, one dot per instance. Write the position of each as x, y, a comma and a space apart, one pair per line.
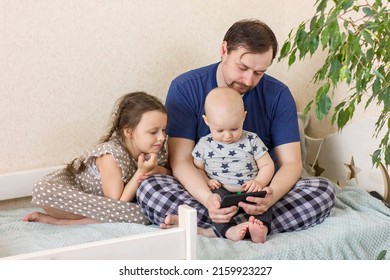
127, 113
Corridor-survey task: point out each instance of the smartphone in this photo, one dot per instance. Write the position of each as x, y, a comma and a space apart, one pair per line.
234, 199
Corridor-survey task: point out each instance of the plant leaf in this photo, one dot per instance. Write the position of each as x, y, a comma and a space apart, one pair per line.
285, 49
323, 103
358, 54
292, 57
367, 37
321, 6
342, 118
347, 4
382, 255
379, 75
368, 11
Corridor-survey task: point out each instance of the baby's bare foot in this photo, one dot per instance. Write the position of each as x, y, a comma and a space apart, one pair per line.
257, 230
237, 232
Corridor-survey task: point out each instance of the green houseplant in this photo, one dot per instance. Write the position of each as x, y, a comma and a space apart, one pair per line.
355, 36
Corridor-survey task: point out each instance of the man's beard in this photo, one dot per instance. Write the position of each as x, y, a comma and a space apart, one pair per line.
240, 87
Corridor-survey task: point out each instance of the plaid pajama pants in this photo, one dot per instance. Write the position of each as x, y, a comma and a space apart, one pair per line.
307, 204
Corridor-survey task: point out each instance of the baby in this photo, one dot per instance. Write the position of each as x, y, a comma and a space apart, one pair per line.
233, 160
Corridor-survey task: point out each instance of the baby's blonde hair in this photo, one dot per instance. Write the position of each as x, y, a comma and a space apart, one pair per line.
224, 99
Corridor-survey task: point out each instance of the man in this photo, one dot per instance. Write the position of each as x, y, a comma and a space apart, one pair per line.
247, 51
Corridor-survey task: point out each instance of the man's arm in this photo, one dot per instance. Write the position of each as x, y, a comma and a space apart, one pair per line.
290, 167
184, 170
289, 161
211, 183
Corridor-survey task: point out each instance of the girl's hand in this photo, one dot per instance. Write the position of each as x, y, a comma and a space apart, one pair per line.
262, 203
149, 166
146, 163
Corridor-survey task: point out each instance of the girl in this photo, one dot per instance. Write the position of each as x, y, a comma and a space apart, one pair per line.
100, 185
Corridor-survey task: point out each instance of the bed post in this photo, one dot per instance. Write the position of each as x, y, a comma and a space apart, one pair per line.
188, 221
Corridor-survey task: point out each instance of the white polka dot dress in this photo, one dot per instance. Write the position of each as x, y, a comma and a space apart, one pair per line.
82, 193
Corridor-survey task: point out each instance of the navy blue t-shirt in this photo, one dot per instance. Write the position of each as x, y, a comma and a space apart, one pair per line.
270, 106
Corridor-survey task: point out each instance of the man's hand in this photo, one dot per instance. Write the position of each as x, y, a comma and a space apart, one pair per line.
262, 203
218, 214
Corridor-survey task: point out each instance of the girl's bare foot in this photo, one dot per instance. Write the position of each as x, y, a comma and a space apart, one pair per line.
237, 232
40, 218
257, 230
47, 219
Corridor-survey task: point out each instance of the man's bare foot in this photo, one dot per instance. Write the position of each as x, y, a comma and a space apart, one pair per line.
237, 232
47, 219
257, 230
208, 232
170, 221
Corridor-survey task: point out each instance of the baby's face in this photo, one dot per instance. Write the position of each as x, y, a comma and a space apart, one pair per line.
226, 128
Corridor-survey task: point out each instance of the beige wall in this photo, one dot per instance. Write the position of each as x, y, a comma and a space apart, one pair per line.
64, 63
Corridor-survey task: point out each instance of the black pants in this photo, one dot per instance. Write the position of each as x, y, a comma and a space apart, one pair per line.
239, 217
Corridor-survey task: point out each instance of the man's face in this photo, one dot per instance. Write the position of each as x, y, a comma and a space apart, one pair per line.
241, 70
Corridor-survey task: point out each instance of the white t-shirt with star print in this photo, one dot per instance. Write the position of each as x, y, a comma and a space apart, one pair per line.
231, 164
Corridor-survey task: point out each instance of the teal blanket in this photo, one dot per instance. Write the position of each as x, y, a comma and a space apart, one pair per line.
358, 228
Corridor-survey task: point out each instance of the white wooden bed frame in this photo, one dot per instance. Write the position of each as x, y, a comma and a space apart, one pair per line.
339, 157
170, 244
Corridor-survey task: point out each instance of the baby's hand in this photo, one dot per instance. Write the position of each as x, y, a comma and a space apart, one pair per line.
213, 184
252, 186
